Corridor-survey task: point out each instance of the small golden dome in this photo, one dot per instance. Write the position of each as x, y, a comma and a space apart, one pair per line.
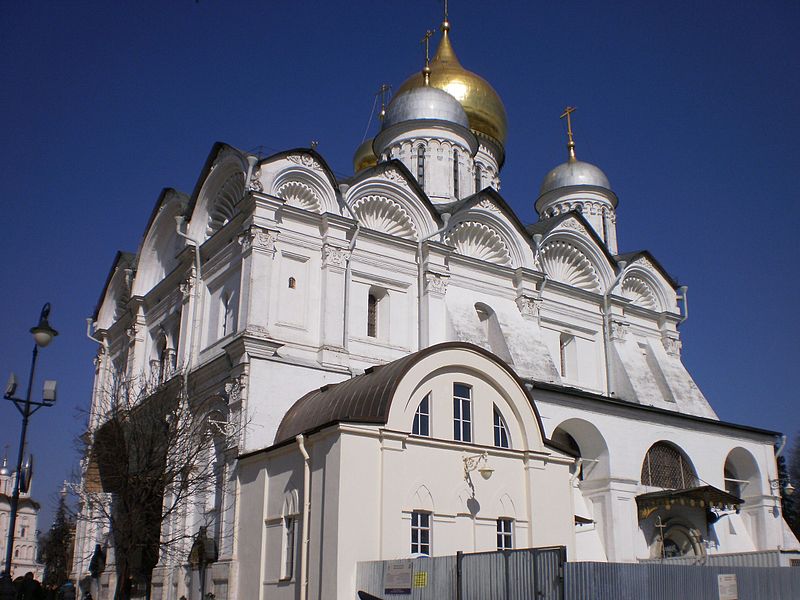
364, 156
483, 106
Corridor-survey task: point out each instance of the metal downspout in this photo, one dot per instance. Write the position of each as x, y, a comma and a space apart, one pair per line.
306, 510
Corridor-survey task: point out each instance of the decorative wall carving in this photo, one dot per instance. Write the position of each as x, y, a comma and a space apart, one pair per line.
255, 181
528, 306
300, 195
672, 344
619, 329
333, 256
393, 174
384, 214
436, 283
565, 263
477, 240
258, 238
222, 208
305, 160
487, 204
639, 292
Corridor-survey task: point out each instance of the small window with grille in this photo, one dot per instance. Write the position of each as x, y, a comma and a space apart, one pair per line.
505, 534
420, 532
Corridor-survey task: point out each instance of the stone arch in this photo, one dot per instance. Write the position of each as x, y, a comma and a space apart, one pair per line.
680, 538
291, 504
421, 499
494, 335
741, 474
305, 188
386, 215
667, 466
504, 506
391, 206
161, 245
590, 445
117, 293
478, 240
642, 289
219, 195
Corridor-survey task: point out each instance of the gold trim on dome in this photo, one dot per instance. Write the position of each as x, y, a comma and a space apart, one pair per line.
480, 101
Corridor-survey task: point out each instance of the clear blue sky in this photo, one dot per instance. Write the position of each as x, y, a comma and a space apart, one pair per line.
691, 109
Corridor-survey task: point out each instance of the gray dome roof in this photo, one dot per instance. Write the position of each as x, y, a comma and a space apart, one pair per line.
574, 173
425, 103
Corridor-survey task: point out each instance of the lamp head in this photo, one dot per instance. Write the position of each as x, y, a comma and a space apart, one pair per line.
11, 386
43, 334
486, 472
49, 392
788, 488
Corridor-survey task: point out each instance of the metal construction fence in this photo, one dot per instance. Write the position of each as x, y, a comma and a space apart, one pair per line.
544, 574
617, 581
510, 575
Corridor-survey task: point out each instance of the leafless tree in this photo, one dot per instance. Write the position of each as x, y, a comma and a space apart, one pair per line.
154, 461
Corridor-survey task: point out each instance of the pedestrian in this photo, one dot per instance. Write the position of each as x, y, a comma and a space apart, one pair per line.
31, 589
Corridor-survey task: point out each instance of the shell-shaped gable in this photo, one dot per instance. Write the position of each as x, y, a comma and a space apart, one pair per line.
477, 240
639, 292
386, 215
301, 178
566, 263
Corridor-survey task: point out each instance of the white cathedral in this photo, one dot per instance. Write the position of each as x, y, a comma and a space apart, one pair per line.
419, 371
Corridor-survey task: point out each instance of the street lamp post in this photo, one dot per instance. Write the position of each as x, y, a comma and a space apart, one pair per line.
43, 334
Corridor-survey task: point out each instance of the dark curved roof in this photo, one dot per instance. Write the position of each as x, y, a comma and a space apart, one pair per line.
367, 398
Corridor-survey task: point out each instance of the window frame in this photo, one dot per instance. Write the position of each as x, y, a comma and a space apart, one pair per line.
505, 533
500, 428
422, 416
419, 528
421, 165
462, 426
289, 543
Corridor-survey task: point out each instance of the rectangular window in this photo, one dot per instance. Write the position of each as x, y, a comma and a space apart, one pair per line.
420, 533
422, 418
289, 531
455, 174
505, 534
462, 412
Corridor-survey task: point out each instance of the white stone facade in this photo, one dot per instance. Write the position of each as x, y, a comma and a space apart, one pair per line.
26, 545
284, 279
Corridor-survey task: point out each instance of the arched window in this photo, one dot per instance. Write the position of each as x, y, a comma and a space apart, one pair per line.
665, 466
292, 283
421, 165
455, 174
478, 187
501, 439
422, 418
494, 334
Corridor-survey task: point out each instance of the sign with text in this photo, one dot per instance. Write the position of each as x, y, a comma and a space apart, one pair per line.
397, 576
728, 588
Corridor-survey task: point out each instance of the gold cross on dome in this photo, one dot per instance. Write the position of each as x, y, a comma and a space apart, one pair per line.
570, 142
427, 41
567, 113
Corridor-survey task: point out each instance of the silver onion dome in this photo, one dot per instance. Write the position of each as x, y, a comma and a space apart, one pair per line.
425, 103
574, 172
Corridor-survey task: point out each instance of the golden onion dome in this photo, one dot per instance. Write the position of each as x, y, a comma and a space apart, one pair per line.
364, 156
483, 106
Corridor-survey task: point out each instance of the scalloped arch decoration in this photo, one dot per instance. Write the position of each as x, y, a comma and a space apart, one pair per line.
565, 263
639, 292
386, 215
224, 205
480, 241
300, 195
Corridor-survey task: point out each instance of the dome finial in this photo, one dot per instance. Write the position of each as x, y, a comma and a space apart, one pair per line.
426, 71
382, 92
445, 21
570, 141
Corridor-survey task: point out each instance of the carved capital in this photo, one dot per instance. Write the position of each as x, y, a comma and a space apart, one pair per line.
436, 283
672, 344
528, 306
619, 330
258, 238
255, 181
333, 256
